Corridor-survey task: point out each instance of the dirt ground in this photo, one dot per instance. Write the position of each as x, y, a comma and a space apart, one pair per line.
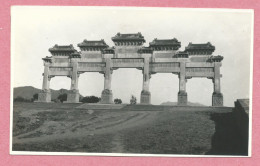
64, 128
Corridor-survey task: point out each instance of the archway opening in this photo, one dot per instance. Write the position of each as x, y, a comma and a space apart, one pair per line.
164, 88
127, 82
91, 84
60, 86
200, 91
60, 82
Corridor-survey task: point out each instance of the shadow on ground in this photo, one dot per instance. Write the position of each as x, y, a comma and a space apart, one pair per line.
228, 139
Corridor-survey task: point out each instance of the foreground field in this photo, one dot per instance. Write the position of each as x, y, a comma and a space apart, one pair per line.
132, 129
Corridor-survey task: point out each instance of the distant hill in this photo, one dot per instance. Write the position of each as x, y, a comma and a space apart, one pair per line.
175, 103
27, 92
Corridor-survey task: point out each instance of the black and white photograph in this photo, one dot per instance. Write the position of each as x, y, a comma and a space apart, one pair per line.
131, 81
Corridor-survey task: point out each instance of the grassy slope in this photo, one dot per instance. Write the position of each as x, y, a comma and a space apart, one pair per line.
61, 127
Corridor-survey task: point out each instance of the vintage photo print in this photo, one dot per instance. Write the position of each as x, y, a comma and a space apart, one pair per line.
128, 81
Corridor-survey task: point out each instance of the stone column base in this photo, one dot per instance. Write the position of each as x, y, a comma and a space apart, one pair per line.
107, 97
44, 97
217, 99
145, 97
72, 97
182, 98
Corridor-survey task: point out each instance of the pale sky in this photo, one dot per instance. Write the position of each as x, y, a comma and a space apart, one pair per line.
35, 29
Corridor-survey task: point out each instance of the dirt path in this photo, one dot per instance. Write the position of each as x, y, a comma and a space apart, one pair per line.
109, 122
118, 146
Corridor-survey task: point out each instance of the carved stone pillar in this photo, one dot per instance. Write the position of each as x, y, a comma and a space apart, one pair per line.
182, 94
145, 94
45, 94
107, 95
73, 95
217, 96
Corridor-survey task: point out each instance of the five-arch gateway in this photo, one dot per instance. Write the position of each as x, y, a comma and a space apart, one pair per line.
160, 57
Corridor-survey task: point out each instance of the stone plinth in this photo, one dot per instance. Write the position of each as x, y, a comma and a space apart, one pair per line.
145, 97
44, 96
107, 97
217, 99
73, 97
182, 98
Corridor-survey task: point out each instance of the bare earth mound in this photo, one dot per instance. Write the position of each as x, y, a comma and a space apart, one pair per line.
132, 129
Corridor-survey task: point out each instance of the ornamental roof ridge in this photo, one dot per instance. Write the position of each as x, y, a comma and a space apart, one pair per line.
93, 43
207, 45
128, 36
109, 48
200, 44
173, 41
57, 47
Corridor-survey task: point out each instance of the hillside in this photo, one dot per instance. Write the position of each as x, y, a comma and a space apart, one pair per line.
175, 103
27, 92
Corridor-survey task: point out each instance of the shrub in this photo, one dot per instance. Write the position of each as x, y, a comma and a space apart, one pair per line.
21, 99
35, 97
90, 99
118, 101
62, 97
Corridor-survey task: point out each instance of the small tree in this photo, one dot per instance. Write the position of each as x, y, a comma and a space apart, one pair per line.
35, 97
62, 97
118, 101
133, 100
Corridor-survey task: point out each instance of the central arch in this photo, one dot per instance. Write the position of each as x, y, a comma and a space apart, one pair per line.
200, 91
91, 84
127, 82
164, 88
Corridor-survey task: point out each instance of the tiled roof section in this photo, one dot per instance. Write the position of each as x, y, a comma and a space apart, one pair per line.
109, 50
130, 36
165, 42
93, 43
47, 59
207, 46
145, 50
181, 54
217, 58
75, 55
64, 48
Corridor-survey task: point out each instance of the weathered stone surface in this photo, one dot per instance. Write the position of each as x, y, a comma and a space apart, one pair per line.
145, 97
44, 96
73, 97
217, 99
182, 98
107, 97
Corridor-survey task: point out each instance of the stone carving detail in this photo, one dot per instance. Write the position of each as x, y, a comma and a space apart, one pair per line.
74, 91
199, 69
93, 64
127, 60
217, 99
106, 91
165, 64
60, 69
46, 90
81, 72
50, 77
144, 92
